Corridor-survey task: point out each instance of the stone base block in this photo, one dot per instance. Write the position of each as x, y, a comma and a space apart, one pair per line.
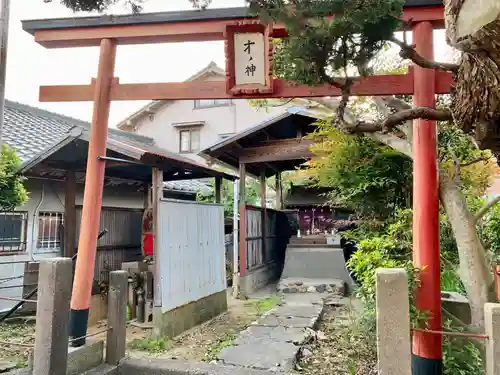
180, 319
302, 285
81, 359
456, 304
98, 309
258, 278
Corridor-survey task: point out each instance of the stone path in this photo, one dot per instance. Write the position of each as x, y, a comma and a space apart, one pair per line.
273, 342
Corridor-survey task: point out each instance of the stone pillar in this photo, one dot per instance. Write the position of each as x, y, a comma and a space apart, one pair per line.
51, 338
393, 322
117, 320
492, 326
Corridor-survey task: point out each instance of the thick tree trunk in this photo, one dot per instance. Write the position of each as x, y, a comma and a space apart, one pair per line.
474, 268
474, 29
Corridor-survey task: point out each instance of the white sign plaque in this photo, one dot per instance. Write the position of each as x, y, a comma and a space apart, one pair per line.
249, 57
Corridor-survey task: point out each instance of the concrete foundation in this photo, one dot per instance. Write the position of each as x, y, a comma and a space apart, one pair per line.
456, 304
80, 359
132, 366
393, 322
180, 319
492, 328
98, 309
316, 261
304, 285
258, 278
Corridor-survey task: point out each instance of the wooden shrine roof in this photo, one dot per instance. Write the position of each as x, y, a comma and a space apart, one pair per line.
275, 145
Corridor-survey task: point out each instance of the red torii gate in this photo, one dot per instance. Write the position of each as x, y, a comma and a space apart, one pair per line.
221, 24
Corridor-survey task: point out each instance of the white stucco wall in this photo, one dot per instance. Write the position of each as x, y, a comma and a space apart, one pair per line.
218, 120
52, 201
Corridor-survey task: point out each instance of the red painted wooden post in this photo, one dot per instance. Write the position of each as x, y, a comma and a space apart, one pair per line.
92, 197
427, 348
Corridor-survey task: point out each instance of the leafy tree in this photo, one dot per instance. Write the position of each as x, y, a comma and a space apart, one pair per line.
365, 176
252, 190
12, 191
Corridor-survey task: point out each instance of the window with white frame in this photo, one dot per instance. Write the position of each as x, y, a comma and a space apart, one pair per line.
207, 103
50, 230
13, 229
189, 140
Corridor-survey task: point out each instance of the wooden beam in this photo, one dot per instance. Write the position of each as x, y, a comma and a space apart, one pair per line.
70, 214
176, 32
279, 151
369, 86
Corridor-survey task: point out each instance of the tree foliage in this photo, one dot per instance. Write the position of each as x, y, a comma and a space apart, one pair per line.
318, 49
227, 195
12, 191
370, 178
135, 6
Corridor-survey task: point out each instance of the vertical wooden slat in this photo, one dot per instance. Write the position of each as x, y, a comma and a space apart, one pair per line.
157, 194
243, 225
263, 206
279, 198
218, 189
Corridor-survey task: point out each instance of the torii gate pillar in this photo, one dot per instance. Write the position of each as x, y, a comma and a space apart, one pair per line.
427, 347
92, 197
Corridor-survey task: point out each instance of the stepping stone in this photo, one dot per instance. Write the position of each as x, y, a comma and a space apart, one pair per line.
289, 322
7, 366
274, 356
255, 334
299, 311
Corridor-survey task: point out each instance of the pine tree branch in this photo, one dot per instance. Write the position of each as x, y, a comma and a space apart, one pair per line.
477, 160
408, 52
484, 210
398, 118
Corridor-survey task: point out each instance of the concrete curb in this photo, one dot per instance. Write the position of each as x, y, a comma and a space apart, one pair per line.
133, 366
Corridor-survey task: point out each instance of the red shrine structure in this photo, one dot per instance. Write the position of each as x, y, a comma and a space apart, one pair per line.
236, 27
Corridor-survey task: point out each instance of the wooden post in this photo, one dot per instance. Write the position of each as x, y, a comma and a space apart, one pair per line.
157, 194
92, 198
147, 196
263, 205
69, 214
218, 189
51, 337
117, 311
279, 192
427, 348
243, 222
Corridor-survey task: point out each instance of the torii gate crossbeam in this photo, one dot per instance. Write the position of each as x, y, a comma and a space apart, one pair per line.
190, 26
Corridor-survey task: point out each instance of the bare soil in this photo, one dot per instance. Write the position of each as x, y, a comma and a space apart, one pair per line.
341, 346
202, 343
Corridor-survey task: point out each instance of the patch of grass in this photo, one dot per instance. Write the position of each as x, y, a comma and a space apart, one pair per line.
151, 345
213, 350
264, 304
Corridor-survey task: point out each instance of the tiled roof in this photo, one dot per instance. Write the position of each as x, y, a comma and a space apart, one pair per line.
31, 131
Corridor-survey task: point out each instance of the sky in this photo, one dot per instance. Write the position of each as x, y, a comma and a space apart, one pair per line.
29, 65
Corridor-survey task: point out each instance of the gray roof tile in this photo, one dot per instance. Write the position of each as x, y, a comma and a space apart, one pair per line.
31, 131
